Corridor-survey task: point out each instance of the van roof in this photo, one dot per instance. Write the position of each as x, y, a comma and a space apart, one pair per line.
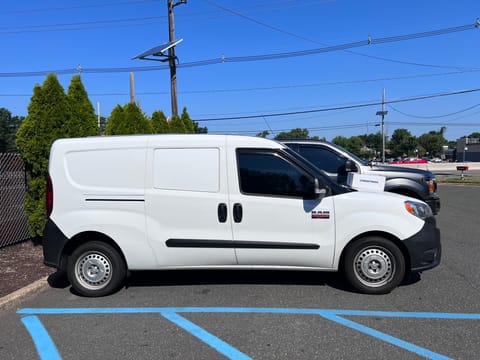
184, 139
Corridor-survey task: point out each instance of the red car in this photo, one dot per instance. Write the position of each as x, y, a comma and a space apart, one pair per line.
410, 161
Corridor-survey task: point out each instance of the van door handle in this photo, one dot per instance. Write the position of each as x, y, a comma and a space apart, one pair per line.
222, 212
237, 212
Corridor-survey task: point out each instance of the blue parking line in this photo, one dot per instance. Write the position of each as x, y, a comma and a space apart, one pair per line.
384, 337
156, 310
222, 347
406, 314
47, 349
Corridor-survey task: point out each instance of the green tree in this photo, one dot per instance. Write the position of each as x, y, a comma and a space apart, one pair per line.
263, 134
8, 128
200, 129
187, 122
116, 122
83, 121
452, 144
475, 135
48, 111
340, 141
402, 143
15, 124
352, 144
372, 141
52, 114
103, 124
293, 134
176, 126
159, 122
128, 120
5, 119
137, 120
432, 142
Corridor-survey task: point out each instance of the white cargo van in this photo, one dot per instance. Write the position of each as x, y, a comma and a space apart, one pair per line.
158, 202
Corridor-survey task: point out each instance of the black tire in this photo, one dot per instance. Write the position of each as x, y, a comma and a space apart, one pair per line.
96, 269
374, 265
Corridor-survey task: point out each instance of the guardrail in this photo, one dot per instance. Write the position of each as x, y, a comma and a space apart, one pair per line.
13, 188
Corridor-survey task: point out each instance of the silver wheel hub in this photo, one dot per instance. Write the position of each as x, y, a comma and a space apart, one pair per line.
373, 266
93, 270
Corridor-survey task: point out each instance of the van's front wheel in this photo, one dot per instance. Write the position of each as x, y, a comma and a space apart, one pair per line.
95, 269
374, 265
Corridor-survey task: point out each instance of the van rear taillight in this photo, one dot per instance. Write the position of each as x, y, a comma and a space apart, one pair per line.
49, 196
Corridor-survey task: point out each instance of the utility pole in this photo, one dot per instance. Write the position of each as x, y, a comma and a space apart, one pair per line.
132, 88
383, 113
171, 55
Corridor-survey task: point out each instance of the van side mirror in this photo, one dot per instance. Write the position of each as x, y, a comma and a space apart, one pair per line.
319, 192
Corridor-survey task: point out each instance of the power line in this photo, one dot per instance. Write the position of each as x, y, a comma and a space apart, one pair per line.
417, 98
252, 58
64, 8
434, 116
336, 108
276, 29
259, 22
432, 123
277, 87
95, 22
47, 27
267, 5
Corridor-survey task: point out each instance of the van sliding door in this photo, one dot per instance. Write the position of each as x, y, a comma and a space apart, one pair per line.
188, 222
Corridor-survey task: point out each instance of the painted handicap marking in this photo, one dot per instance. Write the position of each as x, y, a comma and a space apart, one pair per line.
47, 349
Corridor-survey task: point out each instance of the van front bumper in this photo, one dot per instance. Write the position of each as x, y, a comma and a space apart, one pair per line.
424, 247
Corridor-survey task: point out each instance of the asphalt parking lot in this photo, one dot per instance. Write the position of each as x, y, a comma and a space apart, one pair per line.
266, 315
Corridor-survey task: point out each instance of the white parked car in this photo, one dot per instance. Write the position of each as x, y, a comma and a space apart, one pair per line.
160, 202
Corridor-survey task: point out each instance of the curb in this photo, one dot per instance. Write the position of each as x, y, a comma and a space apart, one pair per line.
16, 295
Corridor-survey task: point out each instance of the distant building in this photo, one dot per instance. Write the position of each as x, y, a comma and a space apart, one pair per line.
468, 149
449, 155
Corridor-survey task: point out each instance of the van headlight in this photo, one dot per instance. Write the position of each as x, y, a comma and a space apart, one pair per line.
418, 209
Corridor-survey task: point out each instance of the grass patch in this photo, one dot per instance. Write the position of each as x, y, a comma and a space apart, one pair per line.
471, 180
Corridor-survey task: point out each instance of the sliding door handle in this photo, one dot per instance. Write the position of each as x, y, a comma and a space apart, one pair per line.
222, 212
237, 212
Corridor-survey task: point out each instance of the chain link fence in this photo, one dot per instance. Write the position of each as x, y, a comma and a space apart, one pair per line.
13, 187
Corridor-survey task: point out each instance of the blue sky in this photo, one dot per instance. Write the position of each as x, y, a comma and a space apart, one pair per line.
326, 92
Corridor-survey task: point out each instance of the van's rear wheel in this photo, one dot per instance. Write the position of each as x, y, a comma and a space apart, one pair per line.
96, 269
374, 265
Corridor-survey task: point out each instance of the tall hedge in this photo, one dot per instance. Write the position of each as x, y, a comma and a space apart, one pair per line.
83, 121
128, 120
187, 122
52, 114
159, 122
